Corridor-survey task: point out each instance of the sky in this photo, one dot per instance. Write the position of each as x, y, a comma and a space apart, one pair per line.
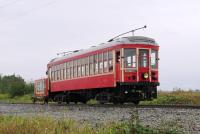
32, 32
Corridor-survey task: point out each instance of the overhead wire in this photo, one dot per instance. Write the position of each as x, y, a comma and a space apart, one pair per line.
30, 11
9, 4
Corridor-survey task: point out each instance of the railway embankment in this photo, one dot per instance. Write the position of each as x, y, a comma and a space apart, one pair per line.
186, 120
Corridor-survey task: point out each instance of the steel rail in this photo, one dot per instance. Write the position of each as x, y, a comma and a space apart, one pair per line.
128, 105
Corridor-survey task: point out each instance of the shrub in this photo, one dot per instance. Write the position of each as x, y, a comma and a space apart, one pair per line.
15, 85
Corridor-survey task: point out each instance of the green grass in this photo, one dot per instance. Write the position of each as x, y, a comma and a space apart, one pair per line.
92, 102
48, 125
176, 97
18, 99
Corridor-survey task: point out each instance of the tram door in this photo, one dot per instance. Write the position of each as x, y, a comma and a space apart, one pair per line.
117, 66
143, 65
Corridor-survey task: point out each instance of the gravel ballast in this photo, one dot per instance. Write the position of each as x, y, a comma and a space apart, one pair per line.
186, 119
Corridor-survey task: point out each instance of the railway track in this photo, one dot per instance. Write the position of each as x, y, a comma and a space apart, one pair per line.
112, 105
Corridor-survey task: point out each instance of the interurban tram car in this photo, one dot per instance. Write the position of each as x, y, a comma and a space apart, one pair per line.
122, 70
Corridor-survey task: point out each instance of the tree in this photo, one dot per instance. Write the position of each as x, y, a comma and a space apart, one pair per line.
15, 85
16, 89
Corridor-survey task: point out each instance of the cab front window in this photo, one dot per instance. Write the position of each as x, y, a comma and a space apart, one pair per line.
130, 58
143, 58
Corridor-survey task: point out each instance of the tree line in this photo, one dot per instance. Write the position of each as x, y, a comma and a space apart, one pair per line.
15, 85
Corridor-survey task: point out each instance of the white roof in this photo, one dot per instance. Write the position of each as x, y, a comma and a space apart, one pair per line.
123, 40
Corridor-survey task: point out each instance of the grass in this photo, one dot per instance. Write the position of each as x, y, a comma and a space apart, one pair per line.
176, 97
48, 125
92, 102
18, 99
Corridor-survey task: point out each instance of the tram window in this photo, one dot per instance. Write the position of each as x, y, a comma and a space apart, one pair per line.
64, 72
143, 57
154, 55
53, 70
56, 72
66, 67
79, 71
52, 73
76, 63
110, 61
61, 71
105, 62
96, 64
91, 65
68, 70
130, 58
79, 68
86, 66
83, 70
71, 69
100, 61
68, 73
58, 75
83, 67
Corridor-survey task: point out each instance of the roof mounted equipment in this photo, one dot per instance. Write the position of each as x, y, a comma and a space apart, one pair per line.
128, 32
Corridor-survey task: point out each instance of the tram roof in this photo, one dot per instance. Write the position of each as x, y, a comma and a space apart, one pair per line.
124, 40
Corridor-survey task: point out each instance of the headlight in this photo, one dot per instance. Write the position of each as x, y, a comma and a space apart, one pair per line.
146, 75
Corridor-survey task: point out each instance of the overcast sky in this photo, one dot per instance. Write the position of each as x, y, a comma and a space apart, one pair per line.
33, 31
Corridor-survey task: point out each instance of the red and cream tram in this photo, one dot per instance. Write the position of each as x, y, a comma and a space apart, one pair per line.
123, 70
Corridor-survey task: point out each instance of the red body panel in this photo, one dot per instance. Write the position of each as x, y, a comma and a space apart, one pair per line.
118, 74
130, 76
99, 81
